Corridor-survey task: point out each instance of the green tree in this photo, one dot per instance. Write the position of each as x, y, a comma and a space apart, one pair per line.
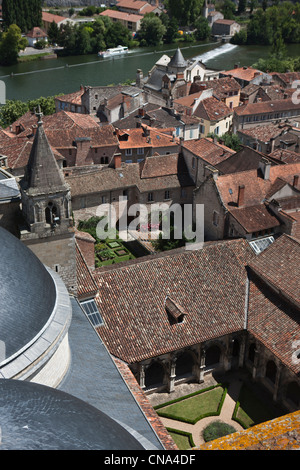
83, 41
11, 43
53, 33
151, 31
228, 9
202, 29
24, 13
11, 111
242, 6
185, 11
117, 34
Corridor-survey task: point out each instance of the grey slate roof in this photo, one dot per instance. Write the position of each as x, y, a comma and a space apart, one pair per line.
178, 60
22, 316
36, 417
94, 378
42, 171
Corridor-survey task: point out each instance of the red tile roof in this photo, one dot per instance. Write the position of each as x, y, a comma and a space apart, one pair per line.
120, 15
210, 151
212, 109
255, 218
209, 284
256, 188
266, 107
243, 73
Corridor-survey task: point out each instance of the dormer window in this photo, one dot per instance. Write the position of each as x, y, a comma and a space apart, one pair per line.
176, 313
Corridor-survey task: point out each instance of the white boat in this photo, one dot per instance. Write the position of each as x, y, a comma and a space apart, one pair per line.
113, 51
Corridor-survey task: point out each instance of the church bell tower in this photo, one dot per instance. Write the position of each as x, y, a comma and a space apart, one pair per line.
46, 209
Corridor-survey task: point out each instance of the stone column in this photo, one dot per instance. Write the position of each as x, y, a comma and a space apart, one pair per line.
276, 385
172, 376
202, 364
142, 375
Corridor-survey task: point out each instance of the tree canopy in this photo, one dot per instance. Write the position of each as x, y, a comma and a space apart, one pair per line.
11, 43
24, 13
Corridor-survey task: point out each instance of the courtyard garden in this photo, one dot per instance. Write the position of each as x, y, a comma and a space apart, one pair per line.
249, 409
108, 251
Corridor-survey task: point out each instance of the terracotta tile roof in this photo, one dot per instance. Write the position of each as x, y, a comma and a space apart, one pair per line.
221, 86
120, 15
209, 284
264, 133
279, 434
266, 107
273, 322
86, 286
243, 73
278, 266
160, 166
287, 77
37, 33
107, 179
74, 98
286, 156
212, 109
208, 150
49, 17
146, 137
256, 188
255, 218
222, 21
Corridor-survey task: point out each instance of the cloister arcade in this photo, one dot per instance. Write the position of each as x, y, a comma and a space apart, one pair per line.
228, 353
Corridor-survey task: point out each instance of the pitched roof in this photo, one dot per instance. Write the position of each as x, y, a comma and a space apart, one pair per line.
49, 17
256, 187
86, 286
147, 137
212, 109
264, 133
255, 218
209, 284
274, 299
161, 172
36, 32
221, 86
42, 172
208, 150
267, 107
243, 160
243, 73
120, 15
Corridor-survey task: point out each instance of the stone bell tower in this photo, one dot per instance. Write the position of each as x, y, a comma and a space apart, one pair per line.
46, 209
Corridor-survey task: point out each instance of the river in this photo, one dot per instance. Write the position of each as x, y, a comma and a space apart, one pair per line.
49, 77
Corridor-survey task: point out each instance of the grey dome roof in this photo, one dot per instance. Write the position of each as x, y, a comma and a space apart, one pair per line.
36, 417
27, 294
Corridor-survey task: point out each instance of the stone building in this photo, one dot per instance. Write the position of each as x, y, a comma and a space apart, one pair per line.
47, 212
223, 27
208, 311
250, 204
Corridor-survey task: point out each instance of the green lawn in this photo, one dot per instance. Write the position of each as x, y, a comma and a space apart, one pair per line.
184, 441
194, 408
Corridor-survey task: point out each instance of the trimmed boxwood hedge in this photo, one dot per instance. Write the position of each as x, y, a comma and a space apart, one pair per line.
204, 415
183, 433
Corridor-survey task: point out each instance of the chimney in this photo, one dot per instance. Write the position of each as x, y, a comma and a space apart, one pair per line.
265, 166
241, 195
117, 160
236, 66
296, 181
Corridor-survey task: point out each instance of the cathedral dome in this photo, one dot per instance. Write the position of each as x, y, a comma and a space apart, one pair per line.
32, 317
36, 417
